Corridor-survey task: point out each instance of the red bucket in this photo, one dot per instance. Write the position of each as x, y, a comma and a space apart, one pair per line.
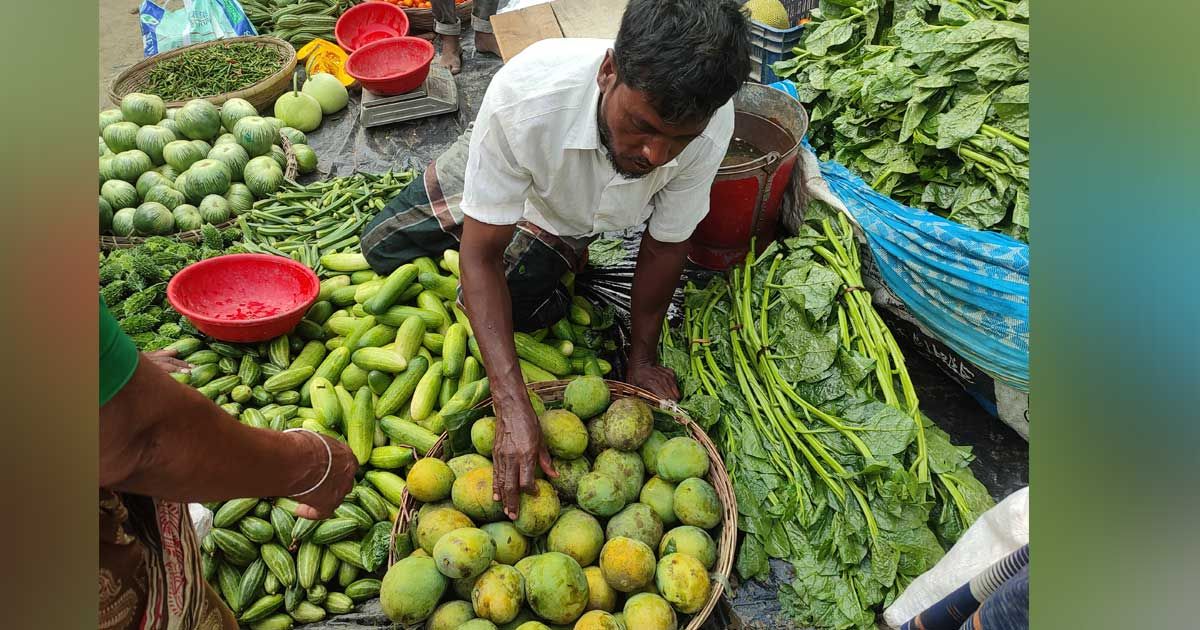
748, 190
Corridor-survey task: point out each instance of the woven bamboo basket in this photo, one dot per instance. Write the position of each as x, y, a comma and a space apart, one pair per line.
726, 538
109, 242
421, 20
262, 94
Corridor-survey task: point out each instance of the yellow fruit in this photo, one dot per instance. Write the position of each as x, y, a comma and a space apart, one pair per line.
430, 480
628, 565
769, 12
601, 596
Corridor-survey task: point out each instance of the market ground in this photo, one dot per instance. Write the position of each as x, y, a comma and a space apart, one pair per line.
120, 41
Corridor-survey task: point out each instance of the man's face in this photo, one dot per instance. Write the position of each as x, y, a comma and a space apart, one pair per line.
635, 137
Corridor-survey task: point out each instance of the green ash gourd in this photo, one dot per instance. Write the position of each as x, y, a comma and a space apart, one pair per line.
297, 109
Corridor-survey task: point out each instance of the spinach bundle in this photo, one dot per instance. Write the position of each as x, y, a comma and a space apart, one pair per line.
835, 468
928, 100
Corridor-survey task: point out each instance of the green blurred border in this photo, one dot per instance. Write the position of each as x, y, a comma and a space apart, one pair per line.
1115, 314
49, 259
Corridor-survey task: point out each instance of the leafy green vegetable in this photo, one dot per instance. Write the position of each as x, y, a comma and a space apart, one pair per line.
606, 252
817, 420
928, 100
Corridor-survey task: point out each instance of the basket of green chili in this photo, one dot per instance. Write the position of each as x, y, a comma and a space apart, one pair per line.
256, 68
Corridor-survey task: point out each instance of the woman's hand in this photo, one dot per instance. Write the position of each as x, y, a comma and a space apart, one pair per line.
517, 447
166, 360
322, 500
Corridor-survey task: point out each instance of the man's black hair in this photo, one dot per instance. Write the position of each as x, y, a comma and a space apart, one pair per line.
688, 56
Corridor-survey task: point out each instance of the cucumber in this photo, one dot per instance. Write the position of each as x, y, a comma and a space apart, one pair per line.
366, 291
379, 359
473, 348
325, 402
454, 350
331, 368
307, 612
534, 374
378, 381
391, 458
449, 387
309, 330
279, 561
467, 397
410, 293
541, 355
354, 378
329, 285
432, 302
345, 399
472, 371
402, 388
433, 342
443, 287
462, 318
409, 337
581, 311
185, 346
359, 277
311, 355
340, 324
288, 379
566, 348
345, 262
289, 397
397, 281
579, 366
360, 426
396, 315
343, 296
425, 264
360, 328
406, 432
562, 330
319, 312
378, 336
450, 262
389, 485
425, 396
202, 357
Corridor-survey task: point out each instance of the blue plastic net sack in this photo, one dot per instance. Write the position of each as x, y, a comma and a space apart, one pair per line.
968, 287
170, 25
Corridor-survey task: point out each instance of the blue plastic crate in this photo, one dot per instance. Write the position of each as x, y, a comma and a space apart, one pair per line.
770, 45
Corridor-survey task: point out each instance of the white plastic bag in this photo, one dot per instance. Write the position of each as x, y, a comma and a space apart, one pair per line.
171, 24
999, 532
202, 519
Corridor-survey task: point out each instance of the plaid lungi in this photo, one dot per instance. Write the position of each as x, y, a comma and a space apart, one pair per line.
425, 219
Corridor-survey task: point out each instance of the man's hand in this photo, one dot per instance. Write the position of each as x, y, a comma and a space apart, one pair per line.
322, 500
166, 360
517, 447
656, 379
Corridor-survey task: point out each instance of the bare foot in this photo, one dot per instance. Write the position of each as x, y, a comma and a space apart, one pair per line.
426, 36
486, 43
451, 54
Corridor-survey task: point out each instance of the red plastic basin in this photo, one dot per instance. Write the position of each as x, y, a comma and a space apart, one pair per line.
244, 297
369, 22
391, 66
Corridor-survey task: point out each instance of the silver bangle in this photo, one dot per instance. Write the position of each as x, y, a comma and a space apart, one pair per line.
328, 464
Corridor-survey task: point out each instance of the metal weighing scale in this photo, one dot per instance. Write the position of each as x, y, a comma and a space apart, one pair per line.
437, 95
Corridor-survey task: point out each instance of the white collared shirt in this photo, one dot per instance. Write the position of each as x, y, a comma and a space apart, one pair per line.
536, 154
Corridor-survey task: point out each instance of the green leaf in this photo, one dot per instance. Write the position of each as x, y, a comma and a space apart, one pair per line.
971, 36
752, 560
963, 120
829, 34
977, 206
812, 287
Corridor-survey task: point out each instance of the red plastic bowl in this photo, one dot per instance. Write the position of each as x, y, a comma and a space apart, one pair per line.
369, 22
244, 297
391, 66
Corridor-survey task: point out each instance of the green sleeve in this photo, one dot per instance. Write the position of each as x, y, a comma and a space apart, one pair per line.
118, 356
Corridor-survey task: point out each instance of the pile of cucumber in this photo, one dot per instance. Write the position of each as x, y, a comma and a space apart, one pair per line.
377, 362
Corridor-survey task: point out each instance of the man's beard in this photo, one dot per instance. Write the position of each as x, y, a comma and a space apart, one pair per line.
606, 141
